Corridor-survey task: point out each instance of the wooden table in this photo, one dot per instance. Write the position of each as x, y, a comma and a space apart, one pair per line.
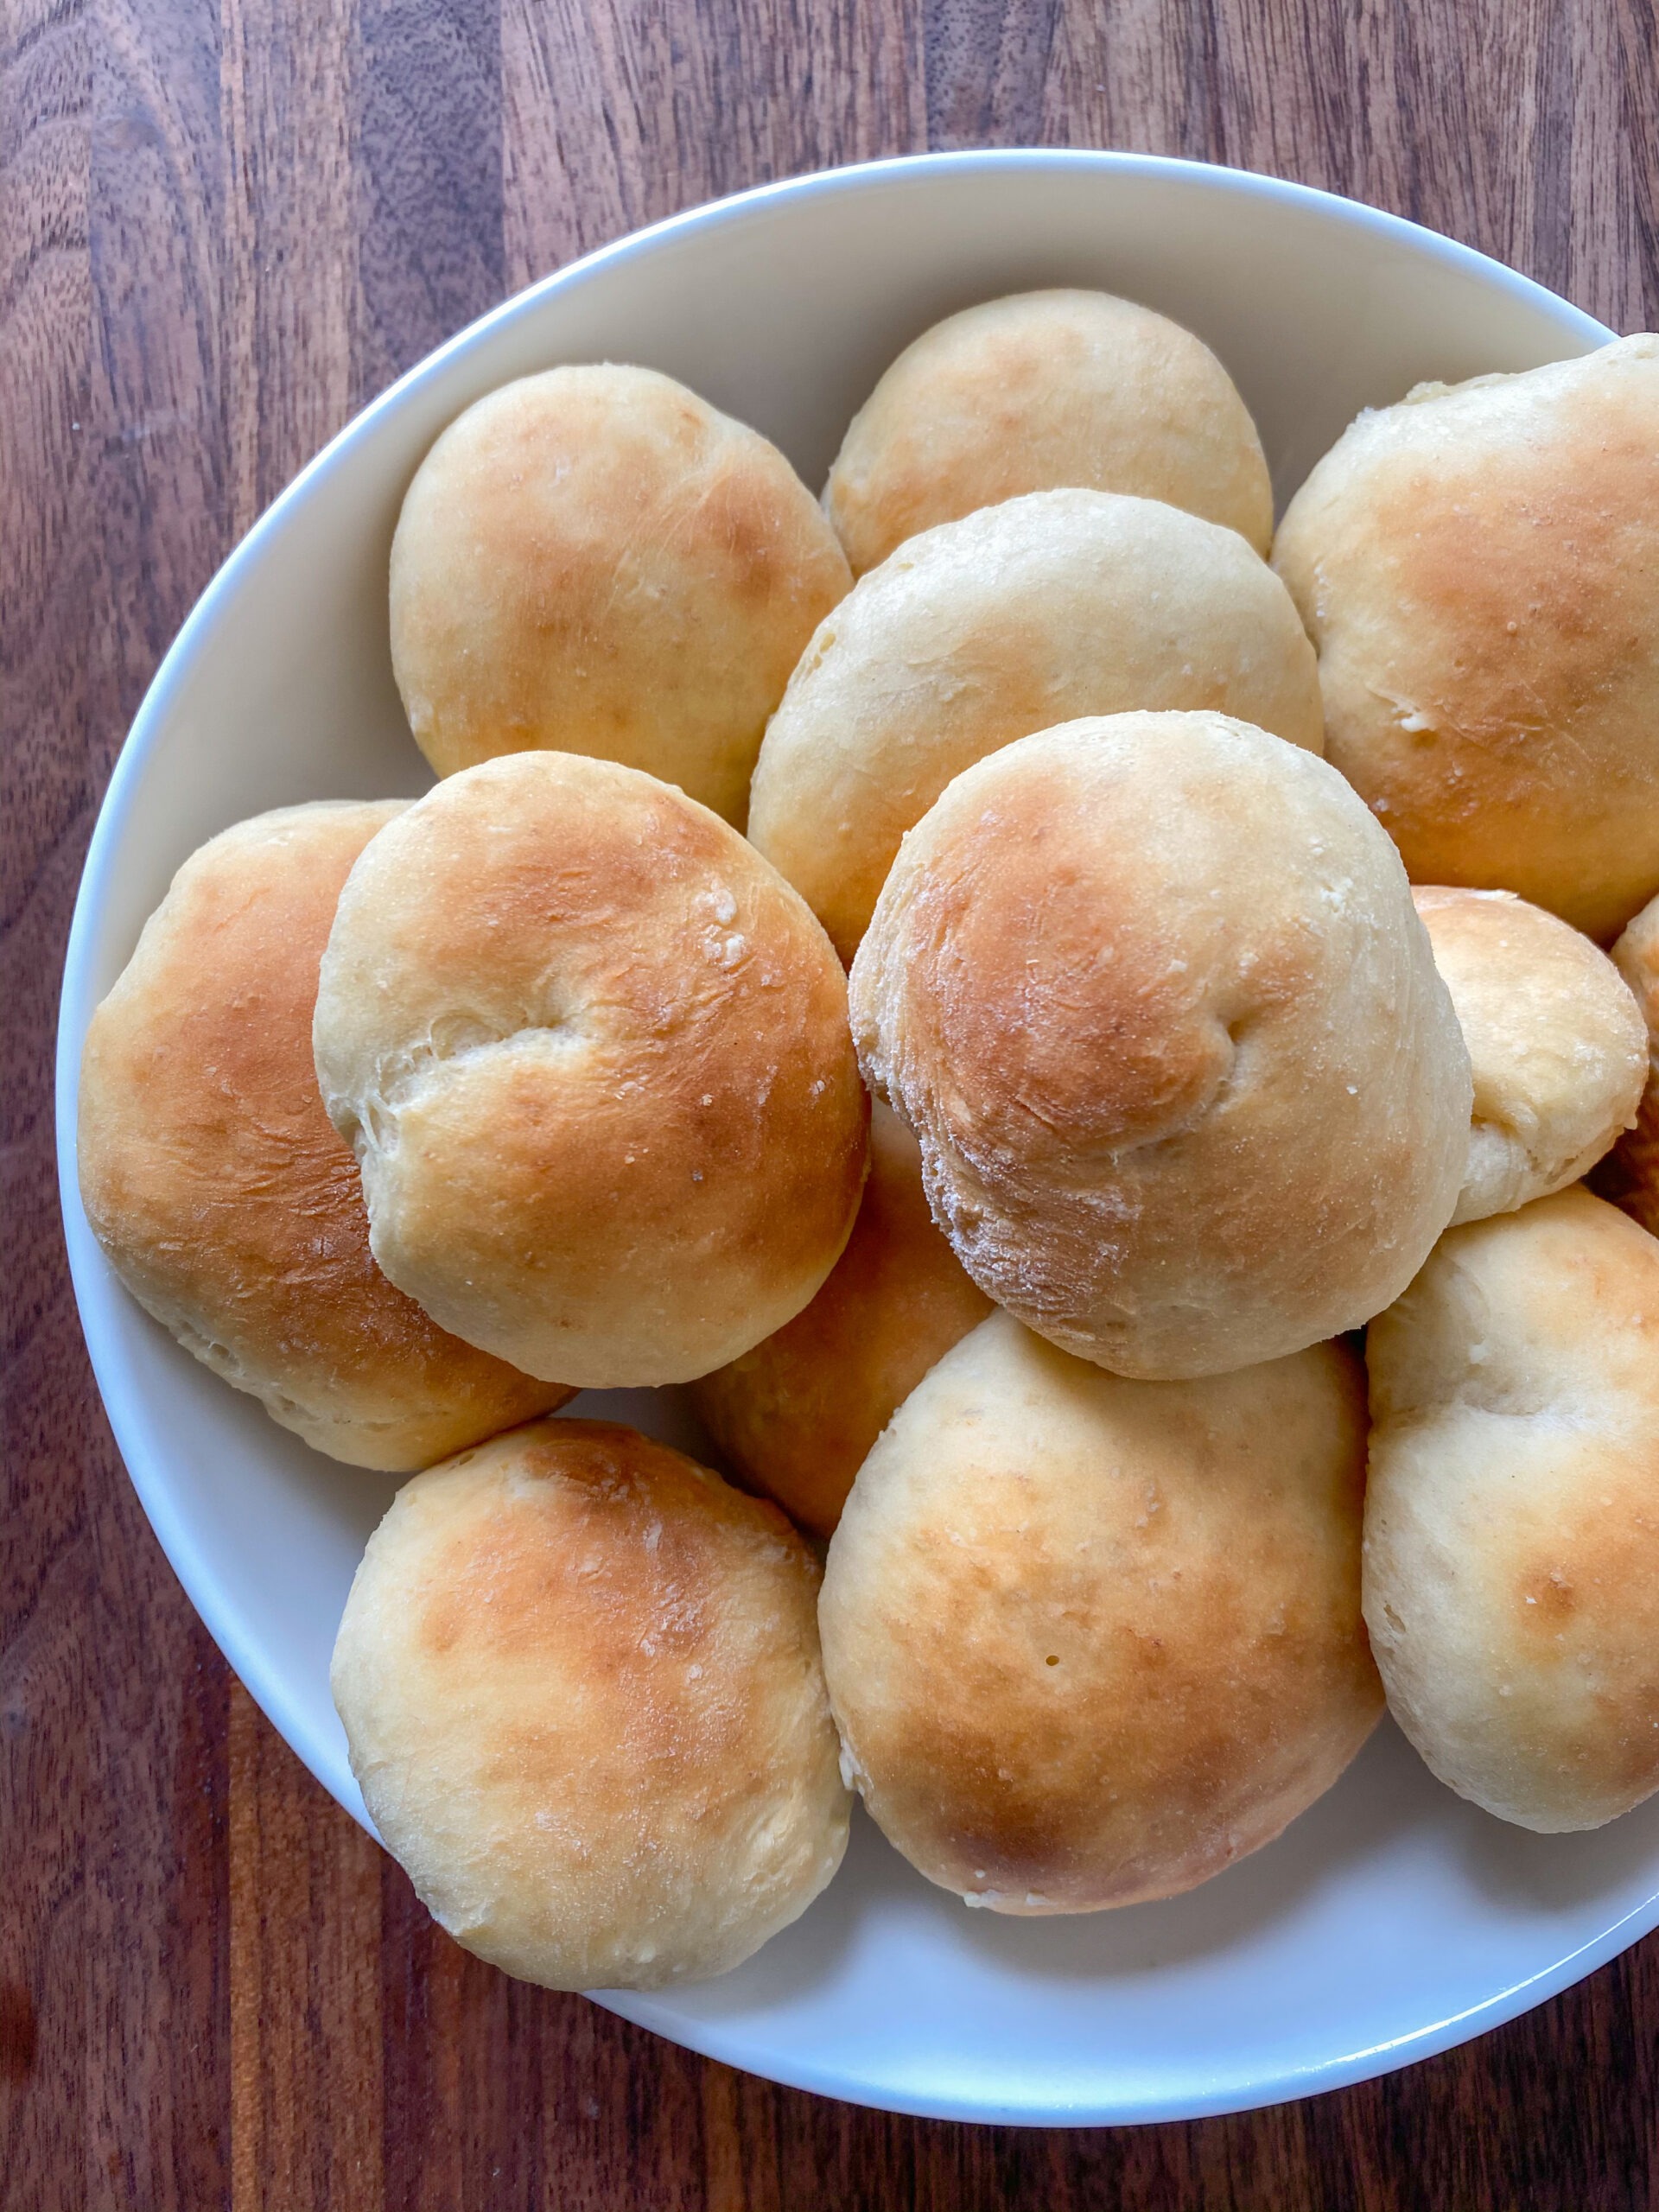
226, 224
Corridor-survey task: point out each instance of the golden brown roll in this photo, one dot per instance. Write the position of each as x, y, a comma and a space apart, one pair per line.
580, 1681
1480, 568
1089, 1641
1556, 1044
1630, 1174
591, 1053
217, 1189
796, 1417
1037, 390
1152, 993
595, 560
1511, 1541
1047, 607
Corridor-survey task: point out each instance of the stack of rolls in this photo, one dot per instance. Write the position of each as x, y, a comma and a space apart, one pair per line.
994, 981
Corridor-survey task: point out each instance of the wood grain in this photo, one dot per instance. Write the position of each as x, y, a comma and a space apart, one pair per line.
224, 225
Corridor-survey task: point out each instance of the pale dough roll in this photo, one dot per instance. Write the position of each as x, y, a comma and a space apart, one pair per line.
1046, 608
1037, 390
796, 1417
592, 1054
580, 1680
216, 1186
1088, 1641
1152, 993
1478, 567
1629, 1175
595, 560
1511, 1536
1555, 1041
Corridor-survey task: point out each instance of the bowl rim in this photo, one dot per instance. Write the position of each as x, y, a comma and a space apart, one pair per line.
146, 1470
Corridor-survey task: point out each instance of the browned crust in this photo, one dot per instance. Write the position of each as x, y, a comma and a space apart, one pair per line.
1629, 1175
595, 560
580, 1680
796, 1417
1091, 1641
1556, 1044
1512, 1517
593, 1054
1475, 568
218, 1187
1151, 991
1010, 619
1039, 389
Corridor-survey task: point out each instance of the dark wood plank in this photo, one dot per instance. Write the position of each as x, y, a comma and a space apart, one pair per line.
426, 130
113, 1764
615, 116
45, 293
306, 2026
224, 224
290, 242
154, 1982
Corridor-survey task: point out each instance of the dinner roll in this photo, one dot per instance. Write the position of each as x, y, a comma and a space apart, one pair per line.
591, 1053
221, 1194
595, 560
1089, 1641
580, 1681
1057, 604
1556, 1044
1511, 1536
1630, 1174
1151, 991
796, 1417
1480, 568
1040, 389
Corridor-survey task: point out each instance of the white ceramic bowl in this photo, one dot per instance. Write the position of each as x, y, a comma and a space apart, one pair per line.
1392, 1920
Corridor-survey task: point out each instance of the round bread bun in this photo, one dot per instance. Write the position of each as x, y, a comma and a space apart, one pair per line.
1629, 1173
596, 561
1152, 993
220, 1194
1480, 568
1089, 1641
1556, 1044
1037, 390
591, 1053
580, 1681
1511, 1542
1047, 607
796, 1417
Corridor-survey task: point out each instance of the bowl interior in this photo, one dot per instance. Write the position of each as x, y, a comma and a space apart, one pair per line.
1391, 1919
